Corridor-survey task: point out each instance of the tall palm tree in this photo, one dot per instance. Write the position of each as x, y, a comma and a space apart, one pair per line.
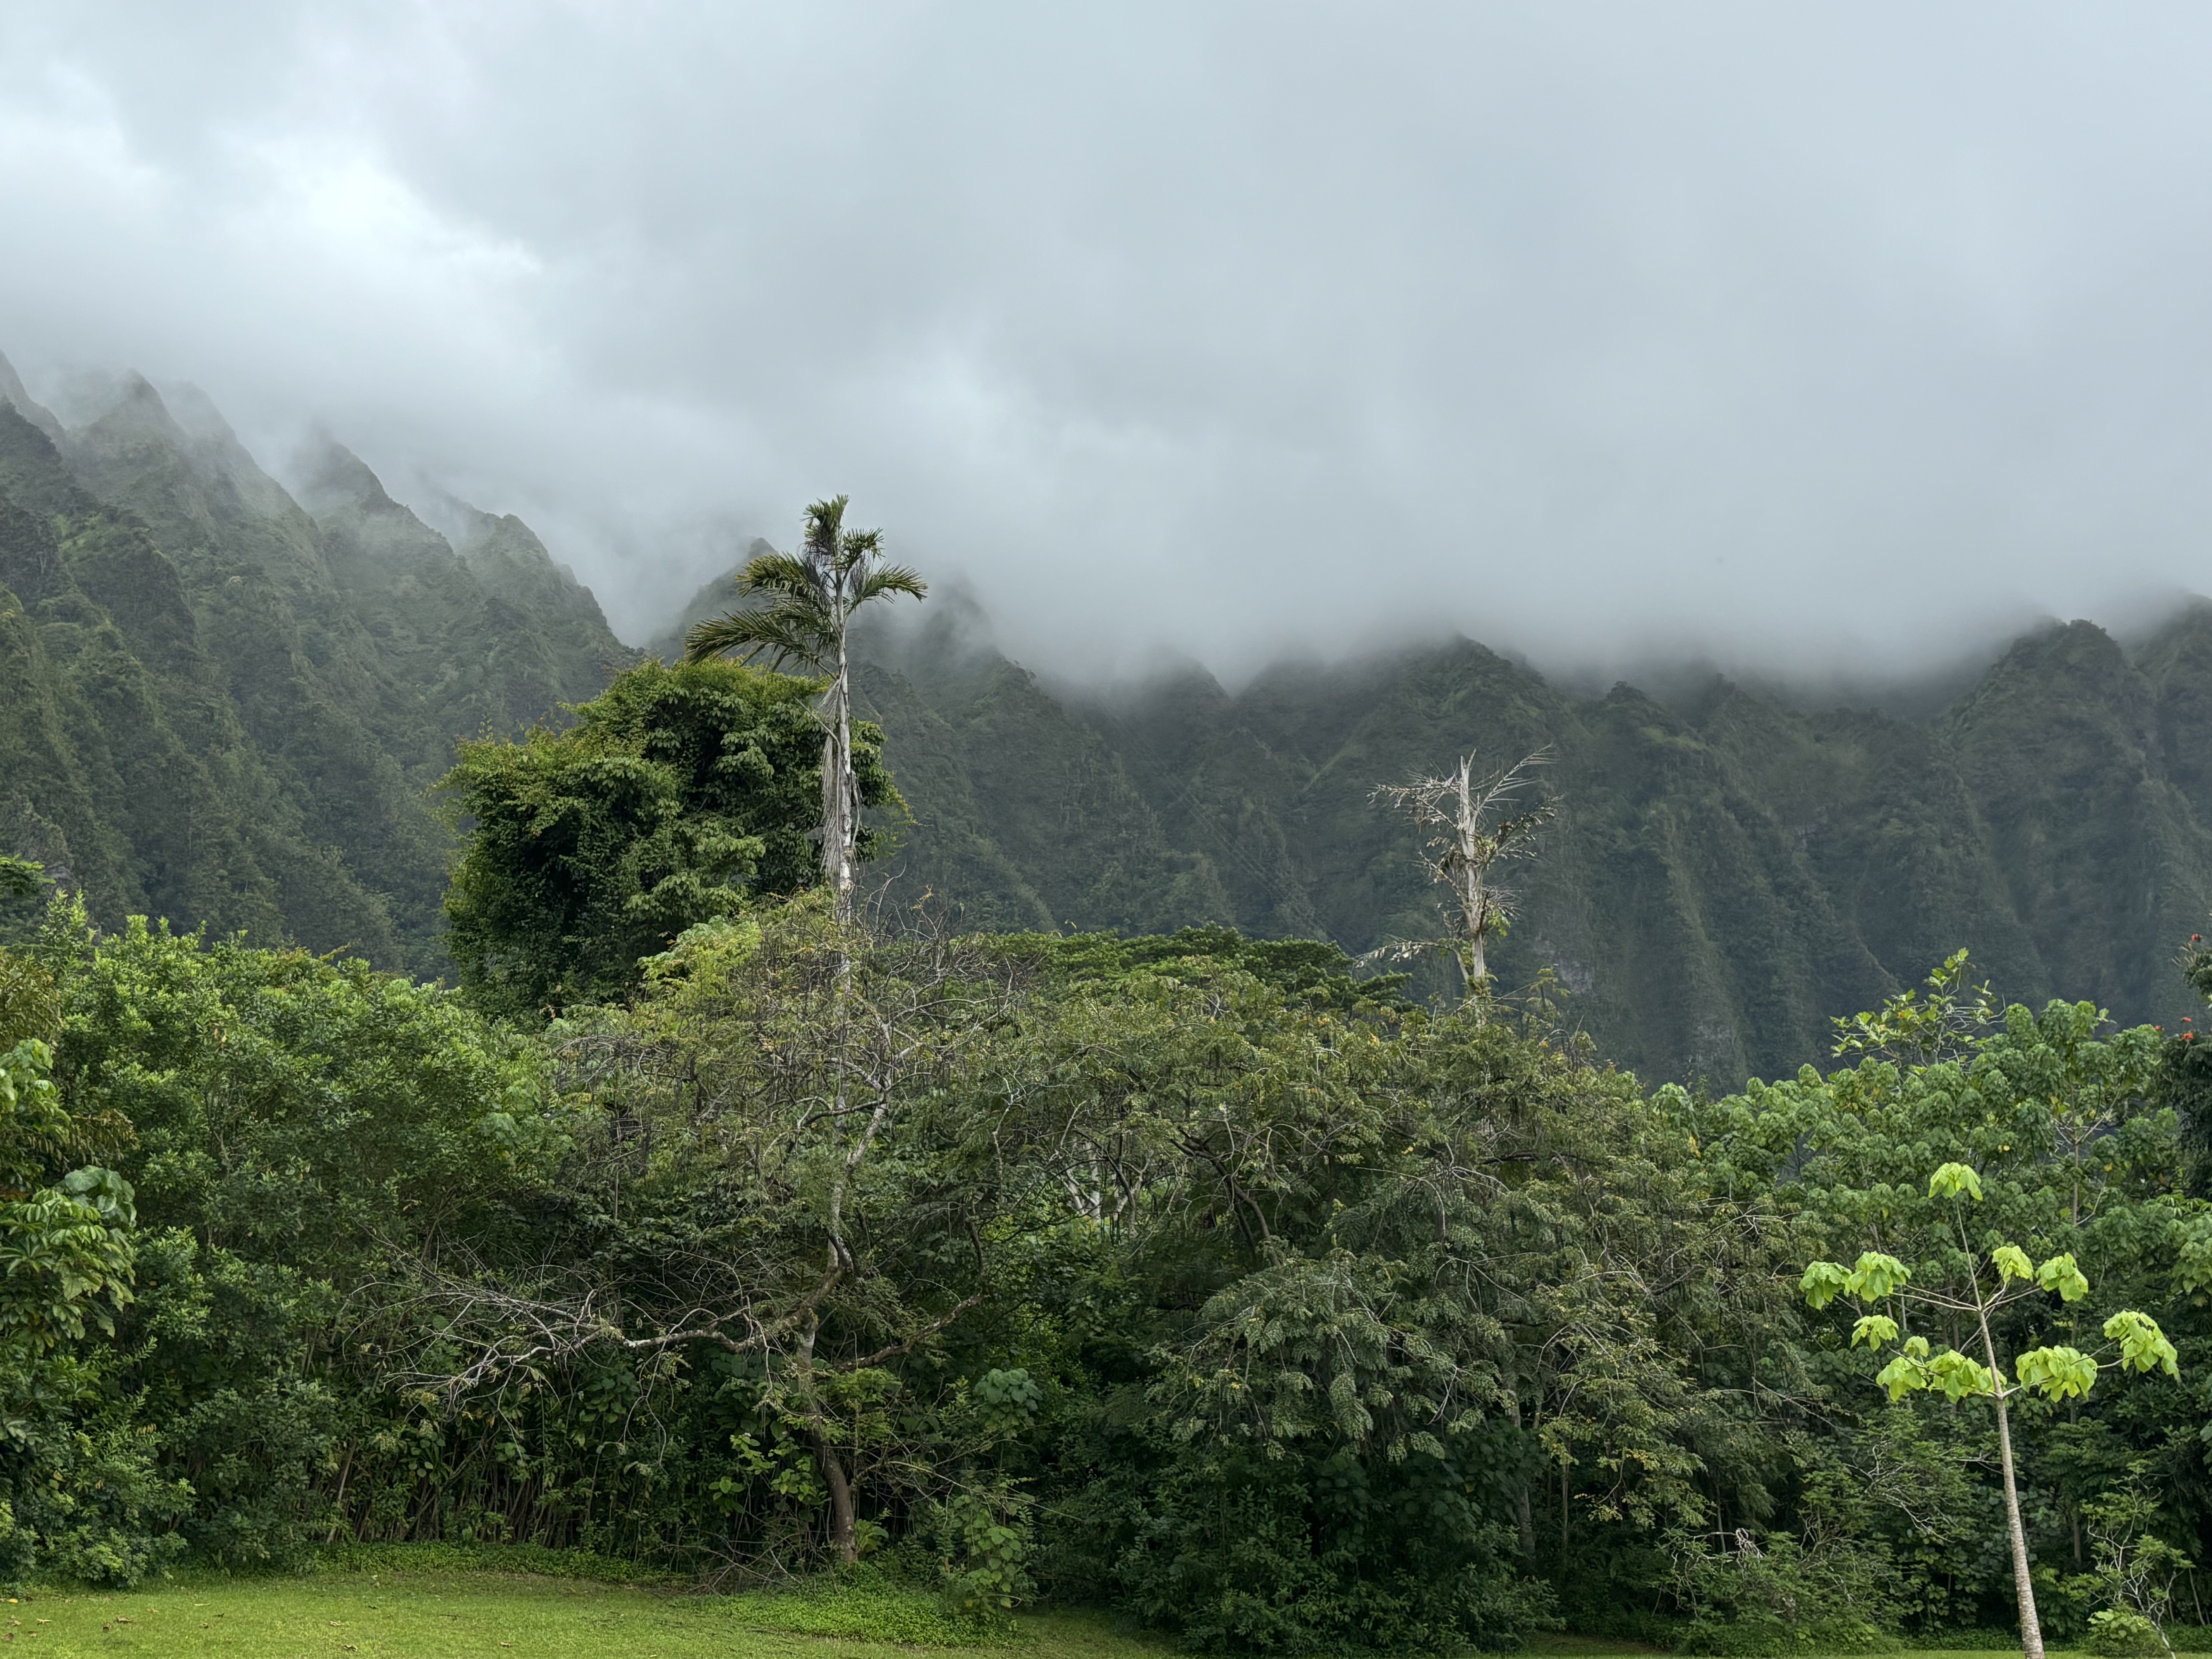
809, 598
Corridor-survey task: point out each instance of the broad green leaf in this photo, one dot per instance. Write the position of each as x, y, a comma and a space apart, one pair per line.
2061, 1373
1951, 1180
1874, 1330
2012, 1262
2061, 1274
2193, 1245
1823, 1281
1903, 1376
1876, 1276
2143, 1346
1960, 1377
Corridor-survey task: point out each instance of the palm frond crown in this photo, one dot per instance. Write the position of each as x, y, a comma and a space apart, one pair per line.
805, 597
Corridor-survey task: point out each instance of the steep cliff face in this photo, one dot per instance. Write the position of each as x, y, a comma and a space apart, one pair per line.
230, 704
1728, 871
223, 703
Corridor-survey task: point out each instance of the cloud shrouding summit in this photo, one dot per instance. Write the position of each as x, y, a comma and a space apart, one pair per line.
1795, 337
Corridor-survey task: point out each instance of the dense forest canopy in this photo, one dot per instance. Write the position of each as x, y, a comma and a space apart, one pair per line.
1194, 1272
723, 1218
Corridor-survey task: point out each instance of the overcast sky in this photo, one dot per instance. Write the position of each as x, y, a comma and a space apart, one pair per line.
1798, 335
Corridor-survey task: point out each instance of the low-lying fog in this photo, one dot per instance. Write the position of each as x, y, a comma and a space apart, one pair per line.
1815, 343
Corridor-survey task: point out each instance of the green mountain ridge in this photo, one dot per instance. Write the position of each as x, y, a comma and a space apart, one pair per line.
226, 701
223, 705
1727, 871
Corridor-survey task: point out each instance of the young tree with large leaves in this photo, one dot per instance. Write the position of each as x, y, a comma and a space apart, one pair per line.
2055, 1215
807, 602
1962, 1285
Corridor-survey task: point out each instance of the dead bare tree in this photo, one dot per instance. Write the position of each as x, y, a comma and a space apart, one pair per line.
1468, 834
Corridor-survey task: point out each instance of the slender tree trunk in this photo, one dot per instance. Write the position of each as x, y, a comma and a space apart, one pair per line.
1564, 1476
840, 807
843, 1535
1521, 1509
2023, 1584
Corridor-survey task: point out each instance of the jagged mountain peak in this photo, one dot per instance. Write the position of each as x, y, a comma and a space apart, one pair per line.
12, 392
328, 476
196, 413
114, 405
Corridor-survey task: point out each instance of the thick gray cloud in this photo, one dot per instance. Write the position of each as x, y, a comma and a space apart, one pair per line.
1798, 334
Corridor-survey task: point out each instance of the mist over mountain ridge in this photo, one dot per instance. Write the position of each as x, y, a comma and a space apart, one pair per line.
1734, 863
227, 703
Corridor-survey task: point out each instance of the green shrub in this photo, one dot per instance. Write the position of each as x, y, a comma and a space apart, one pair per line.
2114, 1634
534, 1560
1761, 1637
863, 1604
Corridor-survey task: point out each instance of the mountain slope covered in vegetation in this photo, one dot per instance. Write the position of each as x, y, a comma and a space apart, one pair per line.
1727, 871
220, 704
226, 702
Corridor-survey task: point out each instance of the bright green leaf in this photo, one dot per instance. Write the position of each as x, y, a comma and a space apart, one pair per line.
2061, 1274
2143, 1346
1823, 1281
1874, 1330
2012, 1262
1876, 1276
2060, 1373
1902, 1375
1960, 1377
1951, 1180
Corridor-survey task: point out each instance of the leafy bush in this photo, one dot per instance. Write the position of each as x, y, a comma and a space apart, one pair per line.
866, 1604
1761, 1637
1781, 1597
2115, 1634
1242, 1554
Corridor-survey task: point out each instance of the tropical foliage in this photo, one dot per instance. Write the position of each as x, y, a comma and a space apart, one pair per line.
805, 603
678, 795
1196, 1273
718, 1226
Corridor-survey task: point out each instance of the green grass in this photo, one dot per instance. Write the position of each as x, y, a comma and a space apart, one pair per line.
445, 1614
410, 1605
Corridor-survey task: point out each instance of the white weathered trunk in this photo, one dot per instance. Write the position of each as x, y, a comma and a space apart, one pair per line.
2023, 1582
840, 803
1473, 901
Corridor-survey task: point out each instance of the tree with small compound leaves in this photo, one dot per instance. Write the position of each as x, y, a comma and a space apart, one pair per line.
1980, 1283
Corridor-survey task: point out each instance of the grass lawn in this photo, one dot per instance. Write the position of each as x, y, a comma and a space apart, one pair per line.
435, 1615
484, 1615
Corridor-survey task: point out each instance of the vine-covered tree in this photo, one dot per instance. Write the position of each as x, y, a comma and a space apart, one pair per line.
680, 794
